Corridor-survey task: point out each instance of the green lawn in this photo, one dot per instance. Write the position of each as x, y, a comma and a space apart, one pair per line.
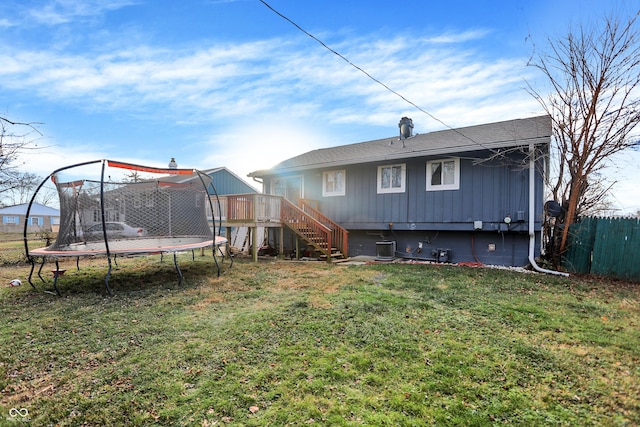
292, 343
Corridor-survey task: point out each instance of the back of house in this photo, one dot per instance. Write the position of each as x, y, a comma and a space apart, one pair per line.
457, 195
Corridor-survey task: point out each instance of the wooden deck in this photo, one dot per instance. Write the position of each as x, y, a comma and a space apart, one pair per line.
262, 210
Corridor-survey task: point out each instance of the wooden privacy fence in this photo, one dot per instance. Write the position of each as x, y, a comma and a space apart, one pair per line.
605, 247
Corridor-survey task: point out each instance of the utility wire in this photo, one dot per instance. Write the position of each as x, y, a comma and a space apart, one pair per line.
373, 78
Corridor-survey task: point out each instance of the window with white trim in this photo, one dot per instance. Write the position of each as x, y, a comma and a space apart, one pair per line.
391, 178
443, 174
36, 220
333, 183
146, 199
11, 219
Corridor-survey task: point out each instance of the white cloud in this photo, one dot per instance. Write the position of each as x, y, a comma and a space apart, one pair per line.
458, 37
63, 11
270, 75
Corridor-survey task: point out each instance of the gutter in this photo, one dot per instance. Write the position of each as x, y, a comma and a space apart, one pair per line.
256, 179
532, 202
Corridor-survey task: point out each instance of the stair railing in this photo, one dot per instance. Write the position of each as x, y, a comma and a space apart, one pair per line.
307, 227
339, 235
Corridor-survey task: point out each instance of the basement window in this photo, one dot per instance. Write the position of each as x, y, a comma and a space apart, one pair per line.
443, 175
333, 183
391, 178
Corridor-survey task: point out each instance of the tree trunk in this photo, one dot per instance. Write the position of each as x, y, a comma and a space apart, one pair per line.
574, 196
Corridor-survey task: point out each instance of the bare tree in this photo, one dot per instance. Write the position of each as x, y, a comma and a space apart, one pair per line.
133, 176
23, 185
594, 104
15, 139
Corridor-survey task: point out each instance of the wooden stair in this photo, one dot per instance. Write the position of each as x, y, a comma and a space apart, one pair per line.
326, 238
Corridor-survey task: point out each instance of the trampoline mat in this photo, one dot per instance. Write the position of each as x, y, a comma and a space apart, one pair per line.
129, 246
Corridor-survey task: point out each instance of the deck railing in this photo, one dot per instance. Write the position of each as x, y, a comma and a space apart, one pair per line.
239, 209
253, 209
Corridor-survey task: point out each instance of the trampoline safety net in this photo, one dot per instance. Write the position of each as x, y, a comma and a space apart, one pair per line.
104, 211
150, 209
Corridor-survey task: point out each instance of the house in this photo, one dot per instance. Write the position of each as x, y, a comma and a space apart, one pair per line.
170, 205
472, 194
225, 182
41, 218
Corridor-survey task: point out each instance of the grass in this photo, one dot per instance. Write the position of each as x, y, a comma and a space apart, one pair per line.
12, 246
288, 343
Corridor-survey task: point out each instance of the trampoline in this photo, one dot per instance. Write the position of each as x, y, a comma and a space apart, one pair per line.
169, 211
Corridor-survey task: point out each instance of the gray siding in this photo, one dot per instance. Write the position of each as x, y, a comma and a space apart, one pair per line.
436, 219
487, 193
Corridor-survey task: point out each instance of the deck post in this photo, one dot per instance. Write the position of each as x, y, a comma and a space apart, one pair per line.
254, 243
281, 241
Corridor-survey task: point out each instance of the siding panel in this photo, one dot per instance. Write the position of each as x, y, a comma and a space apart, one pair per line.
488, 192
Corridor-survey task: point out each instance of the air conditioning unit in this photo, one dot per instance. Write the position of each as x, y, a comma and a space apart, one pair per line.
385, 251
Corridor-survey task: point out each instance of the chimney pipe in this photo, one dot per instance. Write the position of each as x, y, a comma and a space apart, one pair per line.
406, 128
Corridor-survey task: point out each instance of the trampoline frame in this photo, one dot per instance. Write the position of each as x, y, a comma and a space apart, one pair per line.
110, 247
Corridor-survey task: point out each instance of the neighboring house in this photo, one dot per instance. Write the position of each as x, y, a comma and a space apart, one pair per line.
41, 218
225, 182
458, 195
145, 203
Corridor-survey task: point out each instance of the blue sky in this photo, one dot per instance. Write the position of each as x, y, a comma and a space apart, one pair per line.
230, 83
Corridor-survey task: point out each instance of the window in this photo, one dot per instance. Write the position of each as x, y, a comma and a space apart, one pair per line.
391, 178
333, 183
10, 219
443, 175
279, 187
144, 199
291, 187
148, 199
55, 220
36, 220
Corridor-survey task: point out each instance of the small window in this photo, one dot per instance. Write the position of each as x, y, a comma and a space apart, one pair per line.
333, 183
10, 219
55, 220
148, 199
443, 175
36, 220
279, 187
391, 178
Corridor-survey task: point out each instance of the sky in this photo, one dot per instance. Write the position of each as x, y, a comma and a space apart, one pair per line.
231, 83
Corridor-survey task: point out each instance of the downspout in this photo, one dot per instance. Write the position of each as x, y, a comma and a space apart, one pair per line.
259, 182
532, 212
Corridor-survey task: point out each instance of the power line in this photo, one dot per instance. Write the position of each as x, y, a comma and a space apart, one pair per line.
371, 77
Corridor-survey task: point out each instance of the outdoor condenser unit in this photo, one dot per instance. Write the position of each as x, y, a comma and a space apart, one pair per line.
385, 251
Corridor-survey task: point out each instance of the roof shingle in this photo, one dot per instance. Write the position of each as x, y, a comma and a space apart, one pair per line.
492, 136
